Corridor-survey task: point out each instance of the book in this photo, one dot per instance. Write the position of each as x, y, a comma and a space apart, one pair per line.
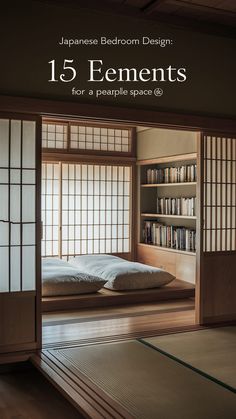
179, 238
181, 174
177, 206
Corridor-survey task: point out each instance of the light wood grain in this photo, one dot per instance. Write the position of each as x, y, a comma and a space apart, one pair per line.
168, 159
155, 321
180, 264
155, 185
174, 290
116, 311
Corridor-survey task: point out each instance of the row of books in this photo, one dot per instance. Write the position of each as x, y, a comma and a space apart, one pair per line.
177, 206
187, 173
179, 238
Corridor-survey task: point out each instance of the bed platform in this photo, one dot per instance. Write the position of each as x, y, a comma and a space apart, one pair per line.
175, 290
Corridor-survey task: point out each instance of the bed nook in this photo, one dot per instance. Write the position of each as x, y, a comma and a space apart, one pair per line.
118, 214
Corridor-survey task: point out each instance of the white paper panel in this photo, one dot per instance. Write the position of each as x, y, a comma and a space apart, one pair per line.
15, 269
4, 141
4, 202
28, 176
29, 143
15, 143
4, 176
15, 234
15, 176
4, 234
15, 203
28, 203
28, 234
28, 268
4, 269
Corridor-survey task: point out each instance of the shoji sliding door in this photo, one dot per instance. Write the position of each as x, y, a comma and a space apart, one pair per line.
20, 162
217, 227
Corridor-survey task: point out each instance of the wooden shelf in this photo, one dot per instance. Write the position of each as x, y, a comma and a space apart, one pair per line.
180, 263
187, 217
168, 249
155, 185
168, 159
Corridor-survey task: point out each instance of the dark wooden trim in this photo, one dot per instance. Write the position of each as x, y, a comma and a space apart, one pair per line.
38, 319
199, 228
88, 158
92, 153
12, 358
15, 348
16, 115
223, 320
130, 116
134, 219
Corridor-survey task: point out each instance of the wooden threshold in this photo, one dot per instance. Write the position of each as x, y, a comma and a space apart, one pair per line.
175, 290
85, 396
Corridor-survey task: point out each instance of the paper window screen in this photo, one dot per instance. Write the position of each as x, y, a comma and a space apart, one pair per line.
54, 135
17, 209
219, 194
93, 209
76, 137
50, 209
100, 138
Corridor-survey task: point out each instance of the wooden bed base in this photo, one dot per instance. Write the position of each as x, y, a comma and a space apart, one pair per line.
104, 297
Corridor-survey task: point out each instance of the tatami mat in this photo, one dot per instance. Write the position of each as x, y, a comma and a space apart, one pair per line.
212, 351
148, 384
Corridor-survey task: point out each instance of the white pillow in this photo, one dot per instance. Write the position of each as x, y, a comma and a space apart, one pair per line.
61, 278
121, 274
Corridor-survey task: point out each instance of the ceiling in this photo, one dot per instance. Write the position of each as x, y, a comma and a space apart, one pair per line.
211, 16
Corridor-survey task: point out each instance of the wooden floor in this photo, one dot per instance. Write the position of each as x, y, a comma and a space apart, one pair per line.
112, 323
28, 395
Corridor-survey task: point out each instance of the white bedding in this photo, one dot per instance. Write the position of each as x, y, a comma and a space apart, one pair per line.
121, 274
61, 278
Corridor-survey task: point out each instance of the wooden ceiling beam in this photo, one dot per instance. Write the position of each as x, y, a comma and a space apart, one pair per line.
202, 7
152, 6
123, 9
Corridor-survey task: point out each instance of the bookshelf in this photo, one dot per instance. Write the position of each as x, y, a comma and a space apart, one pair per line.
166, 184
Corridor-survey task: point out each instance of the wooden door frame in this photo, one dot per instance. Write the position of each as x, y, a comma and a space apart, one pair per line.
209, 256
121, 115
